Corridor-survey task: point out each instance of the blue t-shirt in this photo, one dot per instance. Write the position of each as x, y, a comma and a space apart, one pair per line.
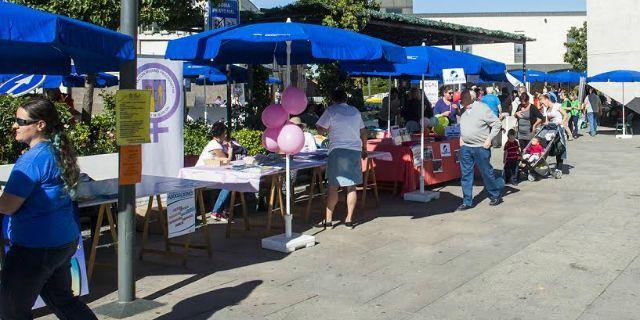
442, 106
493, 102
47, 217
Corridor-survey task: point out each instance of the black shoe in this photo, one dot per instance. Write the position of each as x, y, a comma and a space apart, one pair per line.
350, 224
463, 207
325, 225
495, 202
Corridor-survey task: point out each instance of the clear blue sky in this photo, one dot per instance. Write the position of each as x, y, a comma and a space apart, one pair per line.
435, 6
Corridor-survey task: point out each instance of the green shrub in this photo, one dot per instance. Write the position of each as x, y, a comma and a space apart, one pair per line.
250, 139
10, 149
195, 137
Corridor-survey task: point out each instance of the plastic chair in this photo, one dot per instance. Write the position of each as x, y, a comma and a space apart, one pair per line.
628, 124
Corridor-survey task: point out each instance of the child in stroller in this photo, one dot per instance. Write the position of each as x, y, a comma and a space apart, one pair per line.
546, 141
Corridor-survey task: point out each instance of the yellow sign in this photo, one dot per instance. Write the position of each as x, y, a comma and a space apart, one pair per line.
133, 119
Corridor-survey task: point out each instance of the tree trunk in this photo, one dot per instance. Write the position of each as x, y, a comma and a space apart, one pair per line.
87, 101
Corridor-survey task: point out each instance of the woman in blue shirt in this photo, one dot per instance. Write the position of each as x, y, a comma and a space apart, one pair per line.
43, 226
445, 107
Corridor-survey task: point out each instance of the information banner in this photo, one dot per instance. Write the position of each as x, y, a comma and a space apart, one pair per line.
181, 212
452, 131
132, 117
453, 76
164, 156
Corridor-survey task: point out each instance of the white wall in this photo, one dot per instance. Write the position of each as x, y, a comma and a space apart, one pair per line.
550, 35
612, 43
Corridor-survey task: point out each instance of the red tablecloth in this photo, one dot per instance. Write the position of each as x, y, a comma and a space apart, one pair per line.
402, 170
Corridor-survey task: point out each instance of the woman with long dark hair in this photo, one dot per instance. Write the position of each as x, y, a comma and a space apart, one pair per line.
529, 118
43, 226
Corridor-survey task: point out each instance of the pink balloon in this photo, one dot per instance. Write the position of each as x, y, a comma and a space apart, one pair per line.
294, 100
274, 116
291, 139
270, 139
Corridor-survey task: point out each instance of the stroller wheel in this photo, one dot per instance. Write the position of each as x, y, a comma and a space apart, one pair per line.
531, 178
557, 174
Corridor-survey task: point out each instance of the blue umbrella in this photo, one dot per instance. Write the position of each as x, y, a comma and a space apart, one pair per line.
567, 76
620, 76
260, 43
532, 75
38, 42
428, 61
273, 80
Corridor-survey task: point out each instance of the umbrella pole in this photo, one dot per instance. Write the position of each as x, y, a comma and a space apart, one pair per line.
288, 218
205, 100
422, 138
389, 110
624, 124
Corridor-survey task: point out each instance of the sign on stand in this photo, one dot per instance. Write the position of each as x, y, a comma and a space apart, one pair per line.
431, 91
453, 76
452, 131
181, 212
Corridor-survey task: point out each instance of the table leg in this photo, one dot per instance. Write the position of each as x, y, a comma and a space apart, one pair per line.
145, 228
245, 214
372, 170
207, 236
272, 195
307, 211
231, 210
365, 186
112, 227
94, 243
164, 223
280, 200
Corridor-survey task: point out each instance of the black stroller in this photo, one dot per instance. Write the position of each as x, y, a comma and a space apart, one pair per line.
550, 136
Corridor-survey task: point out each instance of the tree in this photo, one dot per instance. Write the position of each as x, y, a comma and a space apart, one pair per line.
345, 14
166, 14
576, 46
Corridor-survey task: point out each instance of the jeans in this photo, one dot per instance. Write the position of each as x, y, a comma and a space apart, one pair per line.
470, 156
29, 272
573, 125
593, 123
223, 200
511, 171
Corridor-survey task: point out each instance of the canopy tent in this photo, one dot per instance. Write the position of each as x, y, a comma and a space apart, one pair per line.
103, 80
38, 42
567, 76
621, 76
283, 43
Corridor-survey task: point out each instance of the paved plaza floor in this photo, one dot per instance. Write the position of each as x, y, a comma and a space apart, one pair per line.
555, 249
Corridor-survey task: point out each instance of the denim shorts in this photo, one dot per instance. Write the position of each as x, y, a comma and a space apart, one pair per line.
344, 168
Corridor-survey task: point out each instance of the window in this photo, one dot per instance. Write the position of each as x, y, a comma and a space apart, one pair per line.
518, 53
394, 10
466, 48
569, 41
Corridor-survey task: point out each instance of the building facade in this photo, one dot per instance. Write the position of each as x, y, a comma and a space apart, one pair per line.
611, 45
396, 6
549, 29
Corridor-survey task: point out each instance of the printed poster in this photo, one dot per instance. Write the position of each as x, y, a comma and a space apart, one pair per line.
445, 150
181, 213
453, 76
416, 150
132, 117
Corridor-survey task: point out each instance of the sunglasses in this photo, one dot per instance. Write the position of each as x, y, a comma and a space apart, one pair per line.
451, 92
25, 122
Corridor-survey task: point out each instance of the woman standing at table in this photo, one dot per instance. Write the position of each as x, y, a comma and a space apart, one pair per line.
43, 226
529, 118
445, 107
221, 146
348, 142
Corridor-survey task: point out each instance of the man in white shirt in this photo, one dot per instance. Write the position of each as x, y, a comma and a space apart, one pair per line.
347, 148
